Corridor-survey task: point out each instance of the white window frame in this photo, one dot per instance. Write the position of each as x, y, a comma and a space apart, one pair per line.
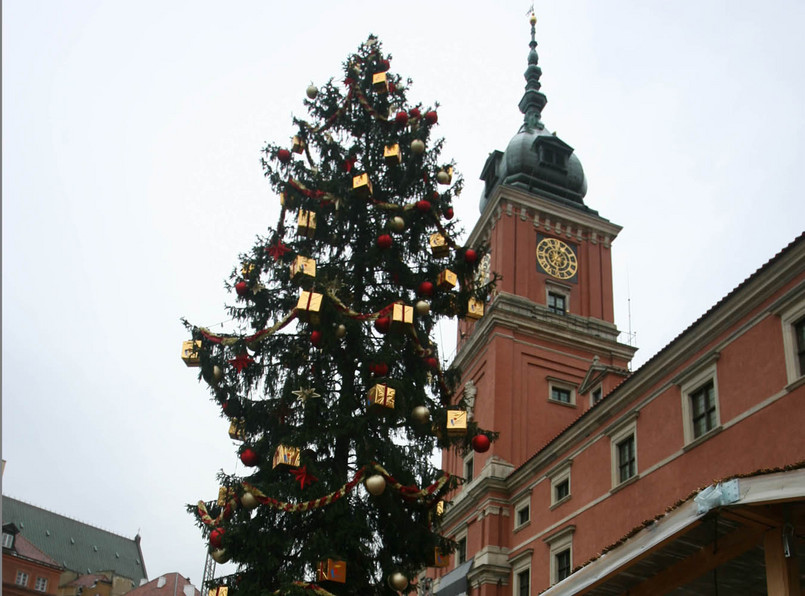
8, 540
521, 563
597, 389
557, 476
524, 503
690, 385
41, 584
560, 384
469, 461
558, 543
788, 319
617, 434
21, 579
459, 537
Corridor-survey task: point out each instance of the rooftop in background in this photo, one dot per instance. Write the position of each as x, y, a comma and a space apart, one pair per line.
75, 545
168, 584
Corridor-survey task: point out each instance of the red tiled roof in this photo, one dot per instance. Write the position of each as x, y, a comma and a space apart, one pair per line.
89, 579
24, 548
171, 583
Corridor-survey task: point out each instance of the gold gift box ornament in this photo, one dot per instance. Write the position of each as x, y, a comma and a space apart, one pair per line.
392, 155
381, 395
190, 352
309, 306
475, 309
236, 430
219, 591
447, 280
380, 82
332, 570
298, 144
287, 200
286, 457
440, 559
362, 186
303, 267
402, 316
246, 270
456, 423
306, 224
438, 245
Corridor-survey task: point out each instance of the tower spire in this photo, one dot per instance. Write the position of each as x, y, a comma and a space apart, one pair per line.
533, 100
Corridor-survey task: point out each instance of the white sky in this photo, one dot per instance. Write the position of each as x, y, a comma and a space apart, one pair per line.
131, 182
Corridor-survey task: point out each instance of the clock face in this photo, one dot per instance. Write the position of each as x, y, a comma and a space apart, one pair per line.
556, 258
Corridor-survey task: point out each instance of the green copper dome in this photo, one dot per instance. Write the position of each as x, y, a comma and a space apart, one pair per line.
536, 159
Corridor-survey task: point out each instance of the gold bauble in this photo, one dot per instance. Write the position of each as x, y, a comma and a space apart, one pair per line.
217, 374
420, 414
396, 224
422, 307
219, 555
249, 501
443, 177
375, 484
340, 331
417, 147
312, 91
398, 581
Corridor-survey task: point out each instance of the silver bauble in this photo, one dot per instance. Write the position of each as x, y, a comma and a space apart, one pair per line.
398, 581
219, 555
420, 414
422, 307
417, 147
375, 484
340, 331
396, 224
312, 91
249, 501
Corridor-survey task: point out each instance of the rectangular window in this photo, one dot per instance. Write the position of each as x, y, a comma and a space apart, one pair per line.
703, 409
524, 583
8, 540
557, 303
523, 515
560, 394
22, 578
469, 468
562, 564
562, 490
596, 395
626, 458
461, 550
41, 584
799, 333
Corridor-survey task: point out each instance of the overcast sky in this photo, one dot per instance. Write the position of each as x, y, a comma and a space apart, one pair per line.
131, 182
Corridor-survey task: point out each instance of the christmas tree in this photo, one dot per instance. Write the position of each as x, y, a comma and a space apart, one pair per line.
334, 386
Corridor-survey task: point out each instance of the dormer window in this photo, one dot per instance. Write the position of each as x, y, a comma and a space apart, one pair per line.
551, 157
8, 540
552, 152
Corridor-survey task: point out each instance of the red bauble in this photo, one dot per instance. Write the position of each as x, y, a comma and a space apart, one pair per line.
481, 443
385, 241
432, 362
382, 324
249, 457
426, 288
401, 118
448, 213
242, 288
216, 536
284, 155
423, 206
470, 256
315, 338
414, 113
431, 117
380, 369
384, 65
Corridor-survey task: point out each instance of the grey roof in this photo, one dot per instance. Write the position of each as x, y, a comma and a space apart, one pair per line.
79, 547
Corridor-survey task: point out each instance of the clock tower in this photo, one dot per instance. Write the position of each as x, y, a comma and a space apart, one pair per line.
547, 346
